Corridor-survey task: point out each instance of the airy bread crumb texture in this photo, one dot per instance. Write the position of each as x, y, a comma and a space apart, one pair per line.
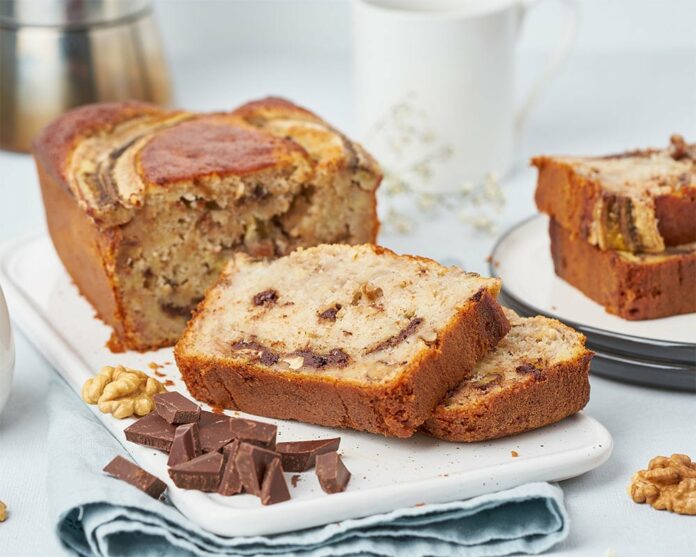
316, 312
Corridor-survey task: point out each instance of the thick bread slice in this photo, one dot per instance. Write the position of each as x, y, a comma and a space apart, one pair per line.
639, 201
632, 286
536, 376
343, 336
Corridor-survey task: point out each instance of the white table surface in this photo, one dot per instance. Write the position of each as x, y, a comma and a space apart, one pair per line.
601, 102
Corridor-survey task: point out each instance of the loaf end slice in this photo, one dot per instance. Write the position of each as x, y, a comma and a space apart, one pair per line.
343, 336
146, 205
536, 376
632, 286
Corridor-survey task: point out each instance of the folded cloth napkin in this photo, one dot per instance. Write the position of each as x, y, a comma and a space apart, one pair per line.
101, 516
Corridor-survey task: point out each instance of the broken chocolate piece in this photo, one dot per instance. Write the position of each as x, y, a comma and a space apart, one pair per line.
256, 433
299, 456
266, 298
332, 473
176, 409
215, 431
230, 484
152, 431
133, 474
252, 462
274, 488
186, 445
202, 473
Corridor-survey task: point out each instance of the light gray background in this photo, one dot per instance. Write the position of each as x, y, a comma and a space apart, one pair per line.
629, 82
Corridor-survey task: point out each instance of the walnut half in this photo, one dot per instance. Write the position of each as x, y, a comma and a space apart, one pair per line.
668, 484
122, 392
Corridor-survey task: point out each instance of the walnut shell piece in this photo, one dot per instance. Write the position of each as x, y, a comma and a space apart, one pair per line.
669, 484
122, 392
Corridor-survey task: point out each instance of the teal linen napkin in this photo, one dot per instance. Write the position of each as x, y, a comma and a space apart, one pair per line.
96, 515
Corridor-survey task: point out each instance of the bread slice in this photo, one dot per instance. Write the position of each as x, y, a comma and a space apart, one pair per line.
342, 336
640, 201
632, 286
536, 376
145, 205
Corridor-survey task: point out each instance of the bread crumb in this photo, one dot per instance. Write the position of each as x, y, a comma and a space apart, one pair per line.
3, 512
514, 454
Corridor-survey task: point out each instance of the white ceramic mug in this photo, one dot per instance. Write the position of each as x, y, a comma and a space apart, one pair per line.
434, 85
7, 353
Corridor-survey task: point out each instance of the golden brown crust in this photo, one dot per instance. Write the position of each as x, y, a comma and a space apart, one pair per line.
536, 401
54, 144
677, 216
84, 251
213, 145
633, 288
395, 409
272, 107
570, 199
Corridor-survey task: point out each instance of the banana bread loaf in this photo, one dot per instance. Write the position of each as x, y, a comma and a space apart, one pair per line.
536, 376
640, 201
632, 286
342, 336
145, 205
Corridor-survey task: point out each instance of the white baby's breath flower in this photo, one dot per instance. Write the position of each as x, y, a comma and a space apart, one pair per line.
427, 201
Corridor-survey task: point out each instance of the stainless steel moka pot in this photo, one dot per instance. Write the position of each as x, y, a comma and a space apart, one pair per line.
58, 54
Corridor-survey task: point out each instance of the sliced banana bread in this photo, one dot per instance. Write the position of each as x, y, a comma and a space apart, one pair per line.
347, 336
145, 205
536, 376
639, 201
631, 285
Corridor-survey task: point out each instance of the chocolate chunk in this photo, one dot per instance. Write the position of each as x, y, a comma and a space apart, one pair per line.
299, 456
176, 409
256, 433
230, 484
202, 473
252, 462
274, 488
215, 431
330, 314
332, 473
334, 358
186, 445
152, 431
266, 298
266, 356
392, 341
133, 474
529, 368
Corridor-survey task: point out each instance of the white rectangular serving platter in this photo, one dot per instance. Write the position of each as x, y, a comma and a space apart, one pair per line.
387, 473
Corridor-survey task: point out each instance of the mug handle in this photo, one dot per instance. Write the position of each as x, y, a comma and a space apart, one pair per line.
554, 62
